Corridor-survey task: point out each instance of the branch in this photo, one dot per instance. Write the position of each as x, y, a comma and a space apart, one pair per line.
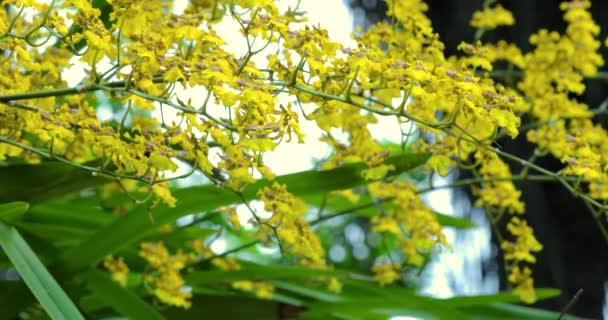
93, 170
383, 112
82, 88
570, 303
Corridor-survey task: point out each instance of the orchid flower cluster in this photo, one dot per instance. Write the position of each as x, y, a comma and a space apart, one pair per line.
142, 55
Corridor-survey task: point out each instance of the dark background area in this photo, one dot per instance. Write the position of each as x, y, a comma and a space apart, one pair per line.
575, 254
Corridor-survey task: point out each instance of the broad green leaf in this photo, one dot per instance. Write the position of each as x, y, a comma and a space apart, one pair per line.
454, 222
406, 306
366, 207
179, 236
279, 297
15, 297
76, 220
44, 287
257, 272
92, 303
80, 213
357, 294
45, 250
225, 292
13, 211
365, 300
136, 225
503, 311
53, 232
304, 291
232, 307
40, 182
501, 297
119, 298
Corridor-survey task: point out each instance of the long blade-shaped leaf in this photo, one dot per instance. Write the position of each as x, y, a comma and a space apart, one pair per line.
42, 284
13, 211
503, 311
501, 297
257, 273
366, 206
232, 307
43, 181
69, 213
136, 225
119, 298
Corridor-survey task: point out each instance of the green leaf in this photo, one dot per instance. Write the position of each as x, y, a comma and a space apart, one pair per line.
501, 297
257, 272
40, 182
45, 250
44, 287
13, 211
177, 238
307, 292
80, 213
232, 307
279, 297
366, 207
365, 300
503, 311
14, 298
136, 224
411, 305
53, 232
454, 222
119, 298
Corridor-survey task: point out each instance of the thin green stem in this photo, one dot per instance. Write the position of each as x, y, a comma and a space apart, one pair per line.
93, 170
19, 105
532, 166
600, 75
327, 96
466, 182
70, 90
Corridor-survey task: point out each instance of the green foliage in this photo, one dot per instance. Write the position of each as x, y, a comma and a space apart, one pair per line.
36, 183
86, 233
136, 225
13, 211
119, 298
42, 284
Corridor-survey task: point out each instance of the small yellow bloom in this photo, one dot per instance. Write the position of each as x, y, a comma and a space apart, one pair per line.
118, 268
165, 278
490, 18
507, 120
162, 192
525, 242
524, 284
386, 273
174, 74
385, 224
261, 289
334, 285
